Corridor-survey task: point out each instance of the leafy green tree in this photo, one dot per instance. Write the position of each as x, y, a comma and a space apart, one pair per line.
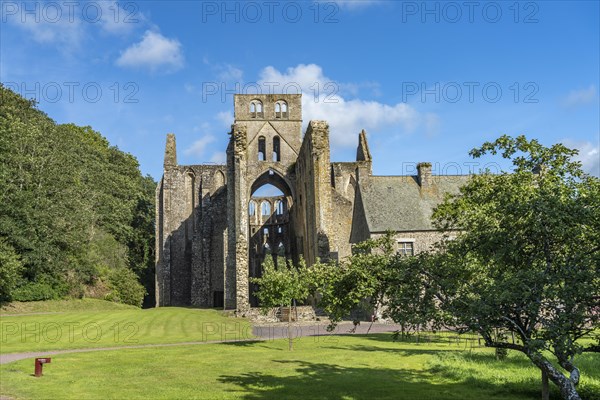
61, 188
521, 256
10, 270
279, 287
528, 258
356, 282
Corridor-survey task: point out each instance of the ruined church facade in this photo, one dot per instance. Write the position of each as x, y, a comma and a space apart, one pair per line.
213, 232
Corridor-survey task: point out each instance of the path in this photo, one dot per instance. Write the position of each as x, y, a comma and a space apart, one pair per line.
261, 333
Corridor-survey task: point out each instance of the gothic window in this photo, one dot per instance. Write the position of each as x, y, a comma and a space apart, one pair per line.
279, 208
256, 109
262, 149
276, 149
406, 248
252, 209
265, 208
281, 250
281, 110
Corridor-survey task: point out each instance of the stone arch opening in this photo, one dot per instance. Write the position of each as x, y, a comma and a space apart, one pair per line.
270, 229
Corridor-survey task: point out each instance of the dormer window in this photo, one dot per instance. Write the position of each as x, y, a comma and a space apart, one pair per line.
256, 109
281, 110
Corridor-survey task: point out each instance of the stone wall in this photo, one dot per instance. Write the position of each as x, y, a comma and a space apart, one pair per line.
314, 192
203, 230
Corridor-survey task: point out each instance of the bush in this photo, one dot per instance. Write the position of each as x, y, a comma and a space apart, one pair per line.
10, 270
125, 288
35, 291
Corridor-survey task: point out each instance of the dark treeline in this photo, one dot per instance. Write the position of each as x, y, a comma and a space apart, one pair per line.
76, 214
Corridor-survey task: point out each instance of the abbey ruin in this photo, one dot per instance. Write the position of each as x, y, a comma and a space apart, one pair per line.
213, 233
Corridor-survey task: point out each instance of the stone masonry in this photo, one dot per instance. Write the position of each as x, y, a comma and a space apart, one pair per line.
213, 233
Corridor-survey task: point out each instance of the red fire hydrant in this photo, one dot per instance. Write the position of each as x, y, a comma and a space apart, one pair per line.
39, 363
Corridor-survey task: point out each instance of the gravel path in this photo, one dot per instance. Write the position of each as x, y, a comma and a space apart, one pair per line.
261, 333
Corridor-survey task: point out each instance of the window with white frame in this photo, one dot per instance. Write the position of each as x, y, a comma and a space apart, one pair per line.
406, 248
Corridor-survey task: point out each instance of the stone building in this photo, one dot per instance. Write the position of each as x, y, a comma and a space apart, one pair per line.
213, 234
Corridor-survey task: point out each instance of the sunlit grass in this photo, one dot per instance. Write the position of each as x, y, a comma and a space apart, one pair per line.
345, 367
121, 327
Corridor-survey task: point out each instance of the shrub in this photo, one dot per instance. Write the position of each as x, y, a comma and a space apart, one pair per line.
125, 288
10, 270
35, 291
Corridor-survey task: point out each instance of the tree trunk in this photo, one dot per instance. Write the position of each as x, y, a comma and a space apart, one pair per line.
290, 326
545, 386
568, 389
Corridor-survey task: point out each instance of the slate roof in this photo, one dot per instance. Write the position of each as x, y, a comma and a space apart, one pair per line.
398, 203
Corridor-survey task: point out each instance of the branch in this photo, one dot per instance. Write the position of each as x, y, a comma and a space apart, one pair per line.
592, 348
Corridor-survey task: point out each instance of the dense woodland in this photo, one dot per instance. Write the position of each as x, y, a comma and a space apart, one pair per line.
76, 214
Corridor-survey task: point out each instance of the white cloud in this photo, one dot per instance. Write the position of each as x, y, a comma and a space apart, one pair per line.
580, 97
322, 100
230, 73
356, 4
65, 34
153, 52
67, 27
198, 148
225, 117
589, 155
219, 157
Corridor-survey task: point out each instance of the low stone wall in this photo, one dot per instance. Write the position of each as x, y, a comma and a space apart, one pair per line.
299, 313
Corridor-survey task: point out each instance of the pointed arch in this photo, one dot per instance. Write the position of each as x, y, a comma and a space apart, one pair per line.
252, 208
262, 148
276, 149
275, 178
219, 179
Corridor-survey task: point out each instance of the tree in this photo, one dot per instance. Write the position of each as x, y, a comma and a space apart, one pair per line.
358, 281
62, 189
521, 255
10, 270
280, 287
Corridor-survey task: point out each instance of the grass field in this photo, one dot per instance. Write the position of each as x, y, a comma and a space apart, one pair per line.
99, 327
86, 305
325, 367
348, 367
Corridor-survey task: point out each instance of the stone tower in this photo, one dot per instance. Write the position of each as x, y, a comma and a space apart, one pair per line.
213, 235
213, 232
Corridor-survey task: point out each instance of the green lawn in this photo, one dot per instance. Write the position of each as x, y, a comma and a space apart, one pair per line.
348, 367
327, 367
117, 327
86, 305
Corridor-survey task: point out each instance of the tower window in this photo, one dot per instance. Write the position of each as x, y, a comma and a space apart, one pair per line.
276, 149
281, 110
262, 149
252, 209
256, 109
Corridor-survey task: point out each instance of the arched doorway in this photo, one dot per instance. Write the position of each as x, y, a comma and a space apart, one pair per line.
270, 229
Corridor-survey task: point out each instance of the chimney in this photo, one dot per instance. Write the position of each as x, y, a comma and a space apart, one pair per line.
170, 152
425, 177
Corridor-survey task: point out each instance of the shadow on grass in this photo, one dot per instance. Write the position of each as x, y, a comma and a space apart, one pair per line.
328, 381
244, 343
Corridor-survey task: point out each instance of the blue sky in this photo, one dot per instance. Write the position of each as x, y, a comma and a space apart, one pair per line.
428, 81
